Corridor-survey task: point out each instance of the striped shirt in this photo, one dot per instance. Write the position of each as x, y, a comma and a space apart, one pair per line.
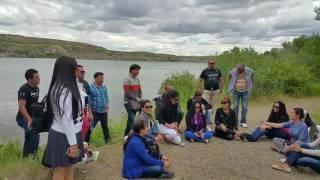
132, 88
98, 99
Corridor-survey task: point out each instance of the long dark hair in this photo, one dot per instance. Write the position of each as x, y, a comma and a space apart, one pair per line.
138, 125
64, 79
273, 116
191, 112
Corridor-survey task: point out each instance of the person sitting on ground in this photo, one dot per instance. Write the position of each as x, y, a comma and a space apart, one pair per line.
153, 135
278, 114
137, 162
168, 120
162, 99
226, 121
295, 130
196, 124
198, 98
304, 154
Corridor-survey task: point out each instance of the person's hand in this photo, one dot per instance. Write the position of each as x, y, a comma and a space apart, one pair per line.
29, 123
201, 135
196, 134
165, 158
223, 128
106, 109
90, 117
296, 148
74, 151
138, 99
166, 163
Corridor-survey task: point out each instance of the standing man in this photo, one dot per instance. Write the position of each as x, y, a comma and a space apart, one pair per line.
241, 81
132, 95
27, 95
213, 85
99, 106
84, 90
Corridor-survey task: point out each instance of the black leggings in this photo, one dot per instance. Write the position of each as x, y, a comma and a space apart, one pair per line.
229, 135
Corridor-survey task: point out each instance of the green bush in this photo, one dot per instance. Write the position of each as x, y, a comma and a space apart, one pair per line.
184, 83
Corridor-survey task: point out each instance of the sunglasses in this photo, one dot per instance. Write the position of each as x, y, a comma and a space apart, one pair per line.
82, 72
148, 107
212, 63
277, 107
197, 107
224, 102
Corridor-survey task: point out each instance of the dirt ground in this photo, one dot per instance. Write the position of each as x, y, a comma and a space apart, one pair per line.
220, 159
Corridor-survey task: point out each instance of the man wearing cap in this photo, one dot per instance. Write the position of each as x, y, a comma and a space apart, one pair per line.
213, 85
241, 81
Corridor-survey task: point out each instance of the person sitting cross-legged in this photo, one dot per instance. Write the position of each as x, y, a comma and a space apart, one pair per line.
196, 124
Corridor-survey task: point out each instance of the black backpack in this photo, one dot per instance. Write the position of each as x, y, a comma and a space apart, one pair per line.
41, 118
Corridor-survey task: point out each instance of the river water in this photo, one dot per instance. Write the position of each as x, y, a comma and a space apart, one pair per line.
12, 77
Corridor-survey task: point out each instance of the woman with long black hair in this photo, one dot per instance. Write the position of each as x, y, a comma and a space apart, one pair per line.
64, 147
278, 114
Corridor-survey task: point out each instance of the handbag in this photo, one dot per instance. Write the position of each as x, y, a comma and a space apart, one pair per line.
135, 105
41, 118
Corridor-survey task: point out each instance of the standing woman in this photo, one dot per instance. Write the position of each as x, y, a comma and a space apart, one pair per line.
64, 147
226, 121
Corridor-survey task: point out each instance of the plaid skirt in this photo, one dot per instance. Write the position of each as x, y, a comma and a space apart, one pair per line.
55, 154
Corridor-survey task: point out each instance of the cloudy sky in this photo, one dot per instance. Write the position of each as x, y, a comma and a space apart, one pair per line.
181, 27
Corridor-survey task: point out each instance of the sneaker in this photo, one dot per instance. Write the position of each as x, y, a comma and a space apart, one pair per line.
166, 175
209, 128
282, 167
283, 160
206, 141
125, 138
274, 148
191, 140
244, 125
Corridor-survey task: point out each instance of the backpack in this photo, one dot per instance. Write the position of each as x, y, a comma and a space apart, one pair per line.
41, 118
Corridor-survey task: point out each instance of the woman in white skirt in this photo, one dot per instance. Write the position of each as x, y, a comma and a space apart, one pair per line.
65, 146
168, 118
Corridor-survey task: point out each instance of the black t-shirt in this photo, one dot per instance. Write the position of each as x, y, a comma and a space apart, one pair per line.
211, 78
229, 120
30, 94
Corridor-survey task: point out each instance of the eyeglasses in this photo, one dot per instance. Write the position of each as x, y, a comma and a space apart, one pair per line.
82, 72
224, 102
197, 107
148, 107
277, 107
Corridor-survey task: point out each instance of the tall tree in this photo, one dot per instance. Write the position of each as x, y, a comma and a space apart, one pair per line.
317, 11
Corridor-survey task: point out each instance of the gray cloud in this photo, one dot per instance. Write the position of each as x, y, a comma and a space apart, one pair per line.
178, 27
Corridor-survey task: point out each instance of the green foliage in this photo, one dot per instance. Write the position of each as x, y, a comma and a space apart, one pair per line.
116, 130
317, 11
11, 159
184, 83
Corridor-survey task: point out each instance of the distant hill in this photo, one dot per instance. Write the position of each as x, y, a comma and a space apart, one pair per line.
30, 47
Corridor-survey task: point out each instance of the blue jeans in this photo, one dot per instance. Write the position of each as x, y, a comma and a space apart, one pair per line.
207, 115
270, 133
152, 171
298, 159
131, 115
31, 138
244, 96
103, 118
190, 135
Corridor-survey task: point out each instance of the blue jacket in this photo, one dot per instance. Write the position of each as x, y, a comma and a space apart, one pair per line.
136, 158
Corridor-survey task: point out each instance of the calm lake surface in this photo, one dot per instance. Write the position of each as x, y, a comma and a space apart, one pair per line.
12, 77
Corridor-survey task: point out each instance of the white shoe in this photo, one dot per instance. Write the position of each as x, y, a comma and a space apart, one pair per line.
283, 160
208, 128
125, 138
181, 144
244, 125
